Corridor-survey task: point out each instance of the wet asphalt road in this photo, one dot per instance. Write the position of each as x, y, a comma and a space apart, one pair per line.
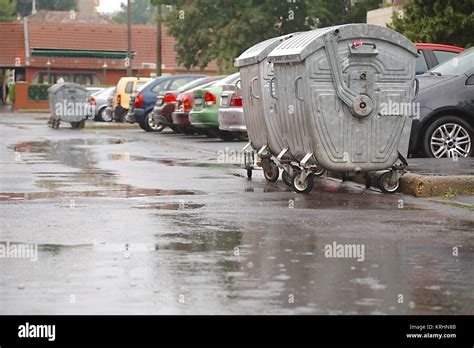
133, 223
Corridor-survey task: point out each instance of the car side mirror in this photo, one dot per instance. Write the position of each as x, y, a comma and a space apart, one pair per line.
470, 80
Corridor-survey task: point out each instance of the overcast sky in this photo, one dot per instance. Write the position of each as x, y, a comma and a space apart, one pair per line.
109, 5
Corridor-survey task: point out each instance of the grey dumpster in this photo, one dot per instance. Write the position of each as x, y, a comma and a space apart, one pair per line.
343, 92
259, 108
69, 102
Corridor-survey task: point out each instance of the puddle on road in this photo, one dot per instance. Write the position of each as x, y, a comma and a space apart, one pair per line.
170, 206
89, 181
171, 162
119, 191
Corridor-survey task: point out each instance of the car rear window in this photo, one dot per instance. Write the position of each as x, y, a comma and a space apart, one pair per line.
129, 87
178, 83
160, 87
443, 56
139, 85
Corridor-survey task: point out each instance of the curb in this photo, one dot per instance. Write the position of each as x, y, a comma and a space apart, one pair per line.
418, 185
112, 126
435, 186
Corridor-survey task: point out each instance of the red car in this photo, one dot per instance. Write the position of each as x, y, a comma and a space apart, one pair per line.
183, 105
431, 55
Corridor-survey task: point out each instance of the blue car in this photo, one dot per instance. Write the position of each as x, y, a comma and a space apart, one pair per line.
143, 101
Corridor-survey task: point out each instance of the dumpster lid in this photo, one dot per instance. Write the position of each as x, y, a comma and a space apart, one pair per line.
297, 49
260, 51
58, 86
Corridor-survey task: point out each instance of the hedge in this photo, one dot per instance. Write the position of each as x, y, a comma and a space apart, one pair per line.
38, 91
11, 92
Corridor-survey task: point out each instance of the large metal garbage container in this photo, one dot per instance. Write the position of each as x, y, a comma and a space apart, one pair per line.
69, 102
342, 93
259, 108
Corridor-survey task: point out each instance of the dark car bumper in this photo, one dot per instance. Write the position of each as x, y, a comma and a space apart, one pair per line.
138, 115
181, 118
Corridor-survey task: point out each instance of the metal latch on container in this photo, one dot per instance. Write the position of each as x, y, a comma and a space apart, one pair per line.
359, 48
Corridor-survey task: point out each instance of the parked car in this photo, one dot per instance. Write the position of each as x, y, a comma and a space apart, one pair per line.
94, 90
143, 101
100, 101
231, 111
205, 106
184, 105
125, 87
167, 100
431, 55
444, 126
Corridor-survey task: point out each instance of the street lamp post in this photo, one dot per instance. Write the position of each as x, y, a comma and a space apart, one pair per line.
105, 66
158, 40
48, 64
129, 38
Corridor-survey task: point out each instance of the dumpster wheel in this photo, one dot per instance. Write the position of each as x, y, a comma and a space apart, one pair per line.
271, 171
386, 186
319, 171
303, 185
287, 180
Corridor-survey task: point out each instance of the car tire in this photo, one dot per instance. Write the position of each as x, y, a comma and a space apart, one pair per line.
102, 116
225, 135
149, 125
448, 136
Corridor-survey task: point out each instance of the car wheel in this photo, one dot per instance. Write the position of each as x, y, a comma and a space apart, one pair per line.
225, 135
448, 137
150, 125
175, 129
104, 117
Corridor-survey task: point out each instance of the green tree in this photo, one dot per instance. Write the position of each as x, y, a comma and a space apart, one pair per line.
7, 10
335, 12
142, 13
437, 21
231, 26
24, 7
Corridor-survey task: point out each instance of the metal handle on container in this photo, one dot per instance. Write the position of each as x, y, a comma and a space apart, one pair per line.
417, 87
299, 78
359, 104
252, 89
272, 94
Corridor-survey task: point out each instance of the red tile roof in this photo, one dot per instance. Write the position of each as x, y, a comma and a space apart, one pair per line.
13, 44
82, 36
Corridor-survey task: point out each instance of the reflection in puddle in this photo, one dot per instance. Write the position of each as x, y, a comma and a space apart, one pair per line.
170, 206
171, 162
119, 191
83, 183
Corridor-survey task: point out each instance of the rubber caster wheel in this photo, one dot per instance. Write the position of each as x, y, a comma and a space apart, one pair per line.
385, 185
272, 174
303, 186
320, 171
285, 177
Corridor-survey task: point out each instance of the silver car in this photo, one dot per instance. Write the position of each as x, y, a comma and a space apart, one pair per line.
231, 112
100, 101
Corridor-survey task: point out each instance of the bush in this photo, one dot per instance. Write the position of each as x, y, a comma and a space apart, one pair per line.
11, 92
38, 92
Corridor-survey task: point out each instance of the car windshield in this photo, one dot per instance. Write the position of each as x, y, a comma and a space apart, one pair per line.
456, 66
193, 84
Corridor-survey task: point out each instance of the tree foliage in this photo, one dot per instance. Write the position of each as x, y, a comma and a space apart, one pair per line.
437, 21
7, 10
222, 29
142, 13
24, 7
